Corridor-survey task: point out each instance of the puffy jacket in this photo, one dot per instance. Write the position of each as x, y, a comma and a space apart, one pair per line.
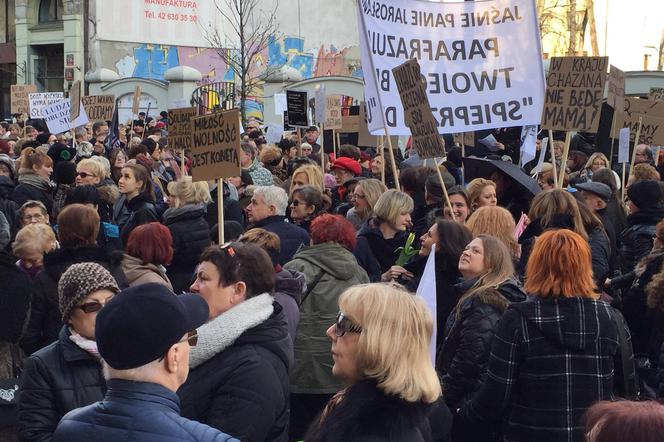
464, 354
45, 320
191, 235
637, 239
134, 411
55, 380
550, 360
127, 215
374, 253
329, 269
238, 381
292, 237
137, 273
289, 287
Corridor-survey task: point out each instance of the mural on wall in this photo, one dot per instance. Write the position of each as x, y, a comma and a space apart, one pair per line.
152, 61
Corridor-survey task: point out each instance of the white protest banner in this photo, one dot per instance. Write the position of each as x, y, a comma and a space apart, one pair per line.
41, 99
280, 104
274, 133
528, 144
320, 104
57, 115
623, 145
426, 289
540, 161
481, 61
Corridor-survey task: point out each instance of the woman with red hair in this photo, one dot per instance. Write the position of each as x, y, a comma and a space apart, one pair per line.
329, 268
625, 421
149, 249
556, 354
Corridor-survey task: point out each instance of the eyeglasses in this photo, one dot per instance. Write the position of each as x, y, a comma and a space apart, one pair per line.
91, 307
84, 174
296, 203
345, 325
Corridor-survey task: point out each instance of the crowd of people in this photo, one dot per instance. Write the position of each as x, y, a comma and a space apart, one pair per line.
123, 318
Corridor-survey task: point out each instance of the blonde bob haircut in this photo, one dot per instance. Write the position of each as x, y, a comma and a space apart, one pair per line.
313, 173
185, 191
475, 188
372, 189
32, 238
495, 221
391, 204
95, 167
393, 348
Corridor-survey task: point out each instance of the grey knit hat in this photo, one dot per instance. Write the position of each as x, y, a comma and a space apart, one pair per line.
78, 281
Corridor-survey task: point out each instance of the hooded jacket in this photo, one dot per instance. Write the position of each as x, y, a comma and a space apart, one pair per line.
329, 269
289, 288
136, 272
550, 360
464, 353
238, 382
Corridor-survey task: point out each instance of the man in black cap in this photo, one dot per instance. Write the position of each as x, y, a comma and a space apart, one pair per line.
597, 196
311, 136
144, 335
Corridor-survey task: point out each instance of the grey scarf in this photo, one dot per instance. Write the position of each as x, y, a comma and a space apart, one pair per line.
35, 180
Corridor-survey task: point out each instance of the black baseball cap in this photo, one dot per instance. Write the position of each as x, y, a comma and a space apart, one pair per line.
141, 323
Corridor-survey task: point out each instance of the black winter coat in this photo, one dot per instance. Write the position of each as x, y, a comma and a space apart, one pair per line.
7, 206
374, 253
26, 192
292, 237
191, 235
128, 215
368, 414
232, 209
637, 239
243, 390
15, 297
54, 381
463, 356
45, 319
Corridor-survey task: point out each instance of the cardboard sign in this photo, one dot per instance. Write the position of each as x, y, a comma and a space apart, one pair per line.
39, 100
645, 107
652, 128
616, 97
656, 94
364, 138
466, 138
180, 127
574, 93
57, 117
20, 104
320, 104
481, 60
75, 98
417, 112
136, 103
333, 112
350, 124
216, 146
296, 104
99, 107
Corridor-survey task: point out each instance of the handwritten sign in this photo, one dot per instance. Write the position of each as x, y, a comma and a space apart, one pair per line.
39, 100
296, 104
20, 104
320, 104
136, 102
656, 94
333, 112
216, 146
57, 117
616, 97
417, 112
574, 93
99, 107
180, 127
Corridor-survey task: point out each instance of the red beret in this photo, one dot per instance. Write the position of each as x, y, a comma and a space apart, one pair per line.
348, 164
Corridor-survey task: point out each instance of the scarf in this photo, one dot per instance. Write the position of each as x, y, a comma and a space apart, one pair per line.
84, 343
222, 331
32, 179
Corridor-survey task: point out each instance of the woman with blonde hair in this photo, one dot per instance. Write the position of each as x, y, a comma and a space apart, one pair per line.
498, 222
189, 228
481, 192
595, 162
487, 289
364, 198
30, 245
307, 174
380, 237
555, 355
380, 348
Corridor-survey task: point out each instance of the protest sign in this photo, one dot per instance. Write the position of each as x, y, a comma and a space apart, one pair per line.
616, 97
180, 127
350, 124
478, 74
99, 107
75, 98
274, 133
656, 94
136, 101
280, 104
296, 104
320, 104
216, 146
623, 145
528, 144
41, 99
20, 103
364, 138
333, 112
574, 93
652, 128
468, 139
57, 117
417, 112
287, 127
644, 107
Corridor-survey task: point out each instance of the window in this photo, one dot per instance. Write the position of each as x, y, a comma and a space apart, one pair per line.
50, 11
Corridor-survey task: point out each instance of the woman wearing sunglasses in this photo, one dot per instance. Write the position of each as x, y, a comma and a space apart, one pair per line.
66, 374
380, 348
307, 202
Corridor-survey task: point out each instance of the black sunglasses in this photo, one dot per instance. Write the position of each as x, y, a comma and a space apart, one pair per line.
345, 325
84, 174
91, 307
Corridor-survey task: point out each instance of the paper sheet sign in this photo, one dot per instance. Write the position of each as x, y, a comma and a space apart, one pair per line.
41, 99
57, 117
623, 145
